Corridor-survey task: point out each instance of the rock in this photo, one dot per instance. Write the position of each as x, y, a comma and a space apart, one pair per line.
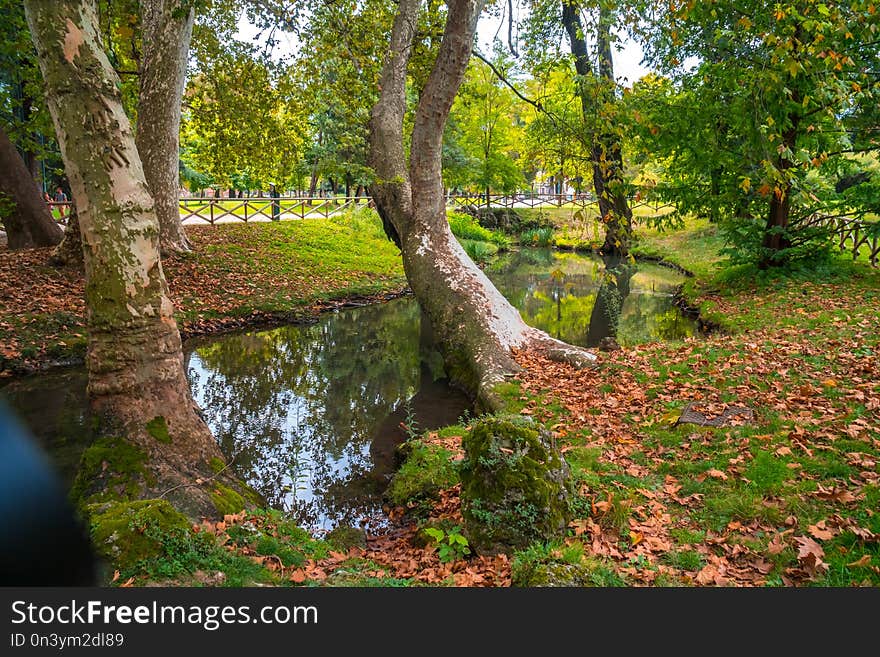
515, 485
554, 573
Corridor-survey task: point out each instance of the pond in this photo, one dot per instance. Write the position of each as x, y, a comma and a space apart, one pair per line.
310, 415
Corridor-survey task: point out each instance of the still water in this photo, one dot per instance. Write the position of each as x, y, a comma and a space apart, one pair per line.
310, 415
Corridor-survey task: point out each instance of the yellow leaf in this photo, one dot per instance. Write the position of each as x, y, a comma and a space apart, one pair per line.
829, 383
636, 538
746, 184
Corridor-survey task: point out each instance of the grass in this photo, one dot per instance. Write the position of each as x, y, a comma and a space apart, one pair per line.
254, 270
788, 498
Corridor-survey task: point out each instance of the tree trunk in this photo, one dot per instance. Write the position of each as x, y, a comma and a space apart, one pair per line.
137, 385
605, 152
70, 252
166, 41
776, 236
474, 326
30, 223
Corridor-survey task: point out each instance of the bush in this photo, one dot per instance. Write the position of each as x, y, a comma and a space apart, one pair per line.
479, 252
537, 237
466, 227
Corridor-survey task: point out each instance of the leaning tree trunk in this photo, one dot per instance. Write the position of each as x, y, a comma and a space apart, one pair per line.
137, 386
166, 38
29, 222
475, 327
605, 151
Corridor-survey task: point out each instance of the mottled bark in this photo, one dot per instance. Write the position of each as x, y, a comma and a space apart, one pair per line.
474, 326
605, 152
69, 252
137, 385
166, 39
29, 222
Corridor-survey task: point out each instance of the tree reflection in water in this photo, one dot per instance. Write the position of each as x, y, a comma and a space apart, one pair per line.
582, 299
310, 413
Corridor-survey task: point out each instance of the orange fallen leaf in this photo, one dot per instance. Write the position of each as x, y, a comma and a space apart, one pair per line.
860, 563
820, 531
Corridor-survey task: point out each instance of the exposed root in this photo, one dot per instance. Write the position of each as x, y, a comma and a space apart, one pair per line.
562, 352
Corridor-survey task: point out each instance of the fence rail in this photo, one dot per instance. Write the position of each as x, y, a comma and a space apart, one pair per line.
852, 234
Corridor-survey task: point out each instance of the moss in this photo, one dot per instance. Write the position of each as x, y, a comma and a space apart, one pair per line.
216, 465
158, 429
426, 470
110, 469
345, 537
125, 533
562, 574
227, 500
515, 485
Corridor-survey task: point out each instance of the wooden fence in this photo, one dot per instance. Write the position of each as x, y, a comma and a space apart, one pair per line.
214, 210
852, 234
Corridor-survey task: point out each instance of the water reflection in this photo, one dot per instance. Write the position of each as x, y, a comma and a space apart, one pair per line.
582, 299
310, 415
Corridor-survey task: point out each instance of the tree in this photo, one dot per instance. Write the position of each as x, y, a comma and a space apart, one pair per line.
167, 30
784, 98
475, 327
25, 134
597, 93
486, 112
243, 120
137, 384
27, 220
554, 140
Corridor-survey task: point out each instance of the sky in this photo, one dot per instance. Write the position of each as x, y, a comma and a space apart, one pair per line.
627, 55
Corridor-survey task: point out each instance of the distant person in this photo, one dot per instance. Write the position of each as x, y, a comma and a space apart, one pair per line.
61, 197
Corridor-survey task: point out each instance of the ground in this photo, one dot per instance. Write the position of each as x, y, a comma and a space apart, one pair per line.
786, 495
236, 275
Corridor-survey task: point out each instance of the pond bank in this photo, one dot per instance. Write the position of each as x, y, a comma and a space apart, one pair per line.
237, 276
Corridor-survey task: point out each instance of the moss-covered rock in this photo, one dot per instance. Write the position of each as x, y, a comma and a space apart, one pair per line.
345, 537
560, 574
125, 533
515, 485
426, 470
227, 500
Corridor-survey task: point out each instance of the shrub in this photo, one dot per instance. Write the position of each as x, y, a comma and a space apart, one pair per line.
466, 227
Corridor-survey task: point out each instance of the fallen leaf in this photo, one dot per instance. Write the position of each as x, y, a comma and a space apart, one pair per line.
820, 531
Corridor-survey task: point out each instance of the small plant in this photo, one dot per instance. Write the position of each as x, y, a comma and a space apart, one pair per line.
410, 422
479, 252
537, 237
451, 545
